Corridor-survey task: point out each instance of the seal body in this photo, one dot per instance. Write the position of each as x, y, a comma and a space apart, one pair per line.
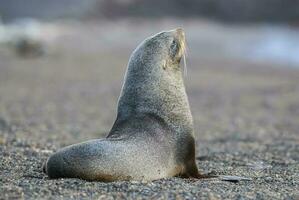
152, 136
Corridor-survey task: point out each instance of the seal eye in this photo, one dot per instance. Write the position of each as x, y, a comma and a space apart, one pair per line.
174, 47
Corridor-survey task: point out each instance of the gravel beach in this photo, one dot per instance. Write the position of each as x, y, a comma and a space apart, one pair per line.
246, 118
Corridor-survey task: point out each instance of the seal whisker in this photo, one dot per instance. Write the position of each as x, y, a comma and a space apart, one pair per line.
184, 48
185, 65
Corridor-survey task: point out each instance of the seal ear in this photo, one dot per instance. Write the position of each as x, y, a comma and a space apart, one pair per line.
174, 48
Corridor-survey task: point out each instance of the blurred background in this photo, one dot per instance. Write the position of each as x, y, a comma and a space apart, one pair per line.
62, 62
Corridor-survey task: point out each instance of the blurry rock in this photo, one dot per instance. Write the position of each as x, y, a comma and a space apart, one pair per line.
3, 124
27, 37
259, 166
26, 47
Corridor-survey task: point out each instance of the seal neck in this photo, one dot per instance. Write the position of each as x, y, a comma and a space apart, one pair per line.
151, 90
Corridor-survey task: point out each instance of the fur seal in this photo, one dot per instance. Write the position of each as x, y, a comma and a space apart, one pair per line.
152, 136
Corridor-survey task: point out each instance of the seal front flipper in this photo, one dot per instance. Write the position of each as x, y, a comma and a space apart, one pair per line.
233, 178
228, 178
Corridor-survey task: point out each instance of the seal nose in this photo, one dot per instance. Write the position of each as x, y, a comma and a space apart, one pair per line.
179, 31
180, 34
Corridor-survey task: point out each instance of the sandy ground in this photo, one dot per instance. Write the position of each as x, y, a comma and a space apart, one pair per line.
246, 119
